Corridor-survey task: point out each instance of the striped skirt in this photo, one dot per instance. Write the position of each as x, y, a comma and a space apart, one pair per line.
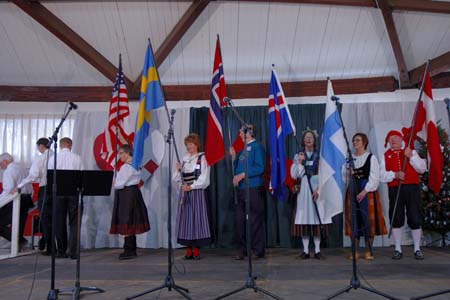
192, 227
368, 216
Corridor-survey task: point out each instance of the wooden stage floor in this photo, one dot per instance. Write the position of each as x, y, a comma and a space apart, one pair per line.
281, 273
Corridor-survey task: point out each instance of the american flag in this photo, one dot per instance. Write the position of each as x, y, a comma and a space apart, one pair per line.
214, 145
118, 118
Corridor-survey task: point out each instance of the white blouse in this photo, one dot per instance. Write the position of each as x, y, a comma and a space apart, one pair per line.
127, 176
189, 164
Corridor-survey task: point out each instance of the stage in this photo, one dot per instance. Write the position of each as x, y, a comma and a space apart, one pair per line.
281, 272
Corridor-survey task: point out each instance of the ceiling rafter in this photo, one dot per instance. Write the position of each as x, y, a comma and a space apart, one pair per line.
182, 26
197, 92
438, 65
386, 11
69, 37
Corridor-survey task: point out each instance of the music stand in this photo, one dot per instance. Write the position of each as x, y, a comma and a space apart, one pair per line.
80, 184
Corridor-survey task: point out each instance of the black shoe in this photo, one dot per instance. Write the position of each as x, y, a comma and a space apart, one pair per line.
318, 256
418, 255
61, 255
127, 255
239, 257
304, 256
397, 255
188, 257
41, 244
196, 257
46, 253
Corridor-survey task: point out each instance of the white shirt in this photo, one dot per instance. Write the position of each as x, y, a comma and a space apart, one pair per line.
190, 165
66, 160
13, 174
127, 176
38, 170
418, 163
374, 176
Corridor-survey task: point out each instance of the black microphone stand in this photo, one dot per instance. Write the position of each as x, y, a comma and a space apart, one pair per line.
447, 102
169, 281
250, 282
53, 293
354, 281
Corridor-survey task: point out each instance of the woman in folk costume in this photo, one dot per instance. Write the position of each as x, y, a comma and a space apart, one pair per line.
307, 223
129, 215
192, 227
368, 220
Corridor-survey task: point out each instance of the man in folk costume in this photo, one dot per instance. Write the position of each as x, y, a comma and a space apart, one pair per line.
391, 173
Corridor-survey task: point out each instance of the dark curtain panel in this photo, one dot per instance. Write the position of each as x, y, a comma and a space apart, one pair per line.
221, 192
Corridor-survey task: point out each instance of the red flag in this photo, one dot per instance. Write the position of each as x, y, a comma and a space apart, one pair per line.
426, 123
118, 117
214, 145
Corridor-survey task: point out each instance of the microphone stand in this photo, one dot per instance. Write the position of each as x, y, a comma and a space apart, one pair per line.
250, 282
53, 293
169, 281
354, 282
447, 102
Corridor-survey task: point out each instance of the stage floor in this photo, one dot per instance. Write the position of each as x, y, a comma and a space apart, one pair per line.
281, 273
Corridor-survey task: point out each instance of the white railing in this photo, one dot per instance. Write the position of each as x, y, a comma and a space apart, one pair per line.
15, 198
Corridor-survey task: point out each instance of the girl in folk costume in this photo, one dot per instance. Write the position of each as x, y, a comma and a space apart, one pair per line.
307, 223
368, 219
192, 227
129, 213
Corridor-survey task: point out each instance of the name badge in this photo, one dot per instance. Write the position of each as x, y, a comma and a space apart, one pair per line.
249, 148
309, 163
197, 167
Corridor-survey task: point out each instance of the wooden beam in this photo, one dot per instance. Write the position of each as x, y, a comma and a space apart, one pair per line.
56, 26
360, 3
200, 92
183, 25
438, 65
386, 11
441, 81
440, 7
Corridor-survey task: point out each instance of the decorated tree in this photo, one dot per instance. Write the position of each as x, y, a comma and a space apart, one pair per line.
436, 208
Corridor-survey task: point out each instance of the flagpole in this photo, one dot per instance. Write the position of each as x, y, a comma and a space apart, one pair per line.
117, 118
413, 125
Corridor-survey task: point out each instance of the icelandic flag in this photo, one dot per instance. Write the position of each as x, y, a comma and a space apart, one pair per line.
280, 126
332, 157
151, 97
214, 145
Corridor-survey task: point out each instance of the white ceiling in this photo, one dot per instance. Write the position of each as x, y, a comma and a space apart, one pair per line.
304, 41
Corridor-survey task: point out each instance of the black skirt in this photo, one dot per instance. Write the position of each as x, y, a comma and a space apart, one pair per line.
129, 216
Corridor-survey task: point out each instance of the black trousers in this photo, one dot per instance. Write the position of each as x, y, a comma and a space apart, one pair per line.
66, 207
6, 216
408, 199
258, 232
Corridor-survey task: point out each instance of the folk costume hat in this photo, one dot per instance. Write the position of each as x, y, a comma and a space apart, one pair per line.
391, 133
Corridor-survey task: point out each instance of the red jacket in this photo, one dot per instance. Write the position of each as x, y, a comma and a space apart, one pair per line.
394, 161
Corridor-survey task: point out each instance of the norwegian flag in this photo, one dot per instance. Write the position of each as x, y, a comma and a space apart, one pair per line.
280, 126
214, 145
118, 131
426, 124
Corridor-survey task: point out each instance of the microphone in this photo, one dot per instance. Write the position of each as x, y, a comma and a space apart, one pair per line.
73, 105
334, 98
447, 101
227, 100
173, 111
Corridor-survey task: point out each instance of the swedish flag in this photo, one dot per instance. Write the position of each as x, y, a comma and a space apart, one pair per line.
151, 97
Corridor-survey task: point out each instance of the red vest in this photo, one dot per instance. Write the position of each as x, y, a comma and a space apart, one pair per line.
394, 161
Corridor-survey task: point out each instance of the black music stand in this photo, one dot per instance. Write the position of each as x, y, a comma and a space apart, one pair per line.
80, 184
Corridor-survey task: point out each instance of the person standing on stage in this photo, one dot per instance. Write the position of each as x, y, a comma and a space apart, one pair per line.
38, 173
192, 227
129, 215
409, 197
366, 208
66, 205
305, 166
12, 176
256, 166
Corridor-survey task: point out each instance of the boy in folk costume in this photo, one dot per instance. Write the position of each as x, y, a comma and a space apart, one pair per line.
391, 173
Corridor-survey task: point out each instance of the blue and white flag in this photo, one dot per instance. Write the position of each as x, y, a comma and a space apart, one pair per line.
280, 126
332, 158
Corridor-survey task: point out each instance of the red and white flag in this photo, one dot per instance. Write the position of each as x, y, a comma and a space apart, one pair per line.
118, 130
214, 145
426, 126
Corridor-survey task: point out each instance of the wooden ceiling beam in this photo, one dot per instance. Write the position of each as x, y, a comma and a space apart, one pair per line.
201, 92
183, 25
440, 7
438, 65
386, 11
69, 37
